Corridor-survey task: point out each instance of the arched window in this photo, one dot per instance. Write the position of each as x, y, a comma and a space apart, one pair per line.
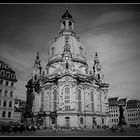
70, 23
67, 90
92, 97
54, 100
79, 94
55, 95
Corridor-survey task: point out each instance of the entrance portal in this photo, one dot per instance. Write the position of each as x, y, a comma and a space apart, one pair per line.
67, 122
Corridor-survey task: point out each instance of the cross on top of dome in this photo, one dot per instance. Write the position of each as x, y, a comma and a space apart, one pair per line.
67, 14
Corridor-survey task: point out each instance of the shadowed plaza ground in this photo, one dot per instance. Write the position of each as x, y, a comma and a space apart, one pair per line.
90, 132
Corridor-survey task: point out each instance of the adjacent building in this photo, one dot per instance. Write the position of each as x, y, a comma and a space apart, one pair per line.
77, 95
17, 117
130, 111
19, 110
7, 87
133, 112
113, 111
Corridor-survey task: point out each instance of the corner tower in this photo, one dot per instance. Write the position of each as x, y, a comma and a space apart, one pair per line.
97, 69
37, 68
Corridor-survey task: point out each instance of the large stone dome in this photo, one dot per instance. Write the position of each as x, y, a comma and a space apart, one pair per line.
67, 36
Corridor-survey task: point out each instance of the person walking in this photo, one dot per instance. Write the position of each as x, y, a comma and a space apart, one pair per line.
3, 129
54, 129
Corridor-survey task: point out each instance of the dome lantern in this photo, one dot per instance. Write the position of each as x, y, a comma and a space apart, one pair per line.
67, 22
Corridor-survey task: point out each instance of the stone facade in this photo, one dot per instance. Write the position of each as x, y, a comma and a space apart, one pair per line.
132, 112
67, 86
7, 88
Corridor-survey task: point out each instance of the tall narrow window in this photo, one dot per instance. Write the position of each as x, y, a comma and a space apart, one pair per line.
54, 106
67, 66
3, 114
79, 106
92, 96
42, 106
5, 94
98, 76
2, 73
1, 81
55, 95
7, 74
9, 114
70, 23
42, 96
67, 99
102, 120
55, 100
10, 104
7, 83
67, 91
4, 104
79, 94
92, 107
79, 100
11, 94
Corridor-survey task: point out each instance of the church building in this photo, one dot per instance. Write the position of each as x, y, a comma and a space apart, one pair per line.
77, 95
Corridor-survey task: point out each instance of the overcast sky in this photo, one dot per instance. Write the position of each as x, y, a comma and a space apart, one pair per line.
113, 30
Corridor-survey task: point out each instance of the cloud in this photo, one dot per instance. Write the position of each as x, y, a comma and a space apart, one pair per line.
115, 17
20, 91
114, 34
119, 54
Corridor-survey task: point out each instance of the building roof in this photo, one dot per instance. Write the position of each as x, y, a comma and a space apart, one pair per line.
4, 66
113, 101
133, 104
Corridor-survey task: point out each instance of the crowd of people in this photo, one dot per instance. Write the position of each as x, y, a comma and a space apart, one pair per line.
8, 128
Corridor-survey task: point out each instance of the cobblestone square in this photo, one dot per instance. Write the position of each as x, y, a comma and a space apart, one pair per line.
68, 133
